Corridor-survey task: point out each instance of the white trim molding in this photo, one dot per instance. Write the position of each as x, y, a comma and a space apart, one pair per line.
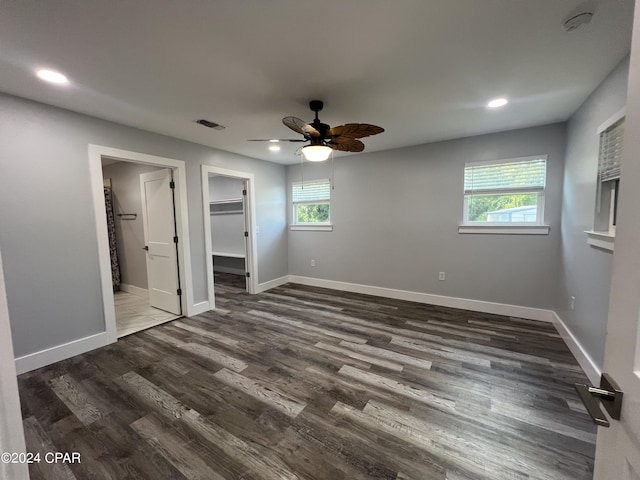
505, 229
587, 364
201, 307
320, 227
137, 291
231, 270
440, 300
603, 240
51, 355
276, 282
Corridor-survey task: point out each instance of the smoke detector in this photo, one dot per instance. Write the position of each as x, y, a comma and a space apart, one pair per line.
576, 21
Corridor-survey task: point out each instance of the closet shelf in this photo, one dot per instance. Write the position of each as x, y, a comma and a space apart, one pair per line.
230, 200
231, 206
231, 255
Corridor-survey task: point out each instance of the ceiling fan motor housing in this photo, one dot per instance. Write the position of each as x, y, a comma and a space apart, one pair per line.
316, 105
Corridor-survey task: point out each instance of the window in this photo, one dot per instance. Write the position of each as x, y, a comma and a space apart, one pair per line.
611, 135
505, 193
311, 203
609, 168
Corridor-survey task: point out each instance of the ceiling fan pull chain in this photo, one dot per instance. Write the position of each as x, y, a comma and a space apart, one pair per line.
333, 187
302, 170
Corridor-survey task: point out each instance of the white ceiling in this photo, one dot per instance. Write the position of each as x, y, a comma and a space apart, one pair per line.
422, 69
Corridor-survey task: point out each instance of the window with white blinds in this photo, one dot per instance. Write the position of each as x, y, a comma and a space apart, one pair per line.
311, 202
611, 137
610, 155
509, 191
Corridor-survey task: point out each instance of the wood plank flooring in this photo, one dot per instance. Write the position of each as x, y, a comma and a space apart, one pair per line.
308, 383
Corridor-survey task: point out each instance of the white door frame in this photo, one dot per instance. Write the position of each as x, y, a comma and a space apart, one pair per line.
252, 252
11, 429
96, 154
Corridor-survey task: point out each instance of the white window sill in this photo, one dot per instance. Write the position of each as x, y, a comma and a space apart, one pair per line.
309, 227
604, 240
505, 229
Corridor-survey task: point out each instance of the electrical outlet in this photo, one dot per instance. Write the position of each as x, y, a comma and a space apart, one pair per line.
257, 229
441, 276
572, 302
313, 263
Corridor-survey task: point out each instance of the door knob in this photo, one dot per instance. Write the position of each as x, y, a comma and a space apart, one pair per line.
146, 247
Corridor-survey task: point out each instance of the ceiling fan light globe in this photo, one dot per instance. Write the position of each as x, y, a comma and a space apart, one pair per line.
316, 153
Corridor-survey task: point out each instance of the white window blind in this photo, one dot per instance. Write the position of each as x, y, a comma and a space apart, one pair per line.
524, 175
311, 191
610, 155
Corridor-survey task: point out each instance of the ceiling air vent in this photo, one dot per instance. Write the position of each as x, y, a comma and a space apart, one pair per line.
210, 124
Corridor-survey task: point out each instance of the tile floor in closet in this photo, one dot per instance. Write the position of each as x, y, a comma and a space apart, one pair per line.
134, 314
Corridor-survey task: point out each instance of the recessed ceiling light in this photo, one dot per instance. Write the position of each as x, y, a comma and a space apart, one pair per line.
274, 148
52, 77
497, 103
274, 140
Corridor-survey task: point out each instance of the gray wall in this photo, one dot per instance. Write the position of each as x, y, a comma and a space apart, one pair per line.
125, 184
585, 271
396, 215
48, 236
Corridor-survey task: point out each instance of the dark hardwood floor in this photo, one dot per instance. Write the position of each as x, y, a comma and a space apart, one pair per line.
308, 383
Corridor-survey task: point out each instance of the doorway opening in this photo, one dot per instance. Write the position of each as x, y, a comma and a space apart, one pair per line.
141, 225
228, 206
152, 281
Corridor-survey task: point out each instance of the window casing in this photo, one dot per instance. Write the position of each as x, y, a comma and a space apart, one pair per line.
505, 193
609, 169
311, 202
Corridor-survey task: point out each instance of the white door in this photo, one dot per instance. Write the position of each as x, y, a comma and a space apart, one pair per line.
618, 447
159, 233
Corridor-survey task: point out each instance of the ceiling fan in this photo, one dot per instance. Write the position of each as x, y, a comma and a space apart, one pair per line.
323, 139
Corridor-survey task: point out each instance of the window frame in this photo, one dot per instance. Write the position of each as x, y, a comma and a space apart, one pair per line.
603, 233
319, 226
528, 228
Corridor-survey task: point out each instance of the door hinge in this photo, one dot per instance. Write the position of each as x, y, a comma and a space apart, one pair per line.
248, 275
179, 292
246, 234
175, 239
172, 184
244, 192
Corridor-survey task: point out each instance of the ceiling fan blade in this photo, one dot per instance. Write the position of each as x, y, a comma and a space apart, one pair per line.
279, 140
354, 130
298, 125
346, 144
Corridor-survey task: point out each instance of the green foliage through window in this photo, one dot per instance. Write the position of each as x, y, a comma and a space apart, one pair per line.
312, 213
480, 206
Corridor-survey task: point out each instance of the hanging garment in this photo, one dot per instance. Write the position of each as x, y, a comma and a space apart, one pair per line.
111, 228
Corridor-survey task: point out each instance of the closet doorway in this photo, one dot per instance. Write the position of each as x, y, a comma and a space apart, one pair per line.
229, 233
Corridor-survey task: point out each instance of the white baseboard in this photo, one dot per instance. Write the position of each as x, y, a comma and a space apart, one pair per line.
61, 352
140, 292
440, 300
584, 360
276, 282
199, 308
235, 271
